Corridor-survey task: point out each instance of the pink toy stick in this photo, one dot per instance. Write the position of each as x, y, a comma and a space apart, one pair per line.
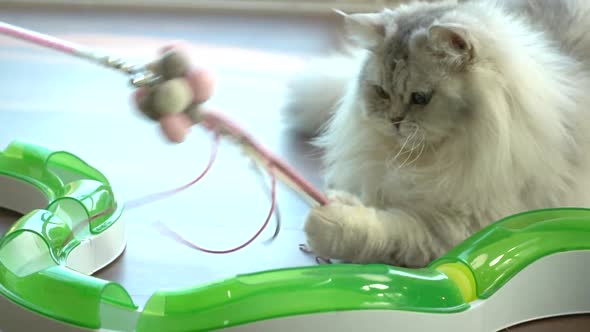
140, 75
41, 39
220, 123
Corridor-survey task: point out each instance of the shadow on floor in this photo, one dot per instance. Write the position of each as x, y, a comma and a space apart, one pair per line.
7, 218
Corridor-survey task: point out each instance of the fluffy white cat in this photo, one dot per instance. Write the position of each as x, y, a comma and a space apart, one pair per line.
449, 116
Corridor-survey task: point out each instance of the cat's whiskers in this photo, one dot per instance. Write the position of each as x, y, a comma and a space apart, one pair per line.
409, 154
402, 149
422, 145
412, 149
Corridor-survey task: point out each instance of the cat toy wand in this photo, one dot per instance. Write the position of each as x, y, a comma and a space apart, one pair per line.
142, 76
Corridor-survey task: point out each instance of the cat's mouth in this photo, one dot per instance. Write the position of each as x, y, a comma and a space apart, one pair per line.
404, 129
397, 122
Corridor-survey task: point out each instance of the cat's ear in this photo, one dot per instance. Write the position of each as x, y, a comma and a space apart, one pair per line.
453, 42
365, 29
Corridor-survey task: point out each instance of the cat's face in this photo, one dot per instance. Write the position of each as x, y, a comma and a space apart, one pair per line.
411, 83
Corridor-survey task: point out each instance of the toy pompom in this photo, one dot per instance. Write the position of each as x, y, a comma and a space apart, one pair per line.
175, 102
175, 126
172, 96
173, 64
202, 83
143, 98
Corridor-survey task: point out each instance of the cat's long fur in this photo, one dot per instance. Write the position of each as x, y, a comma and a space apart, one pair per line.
506, 130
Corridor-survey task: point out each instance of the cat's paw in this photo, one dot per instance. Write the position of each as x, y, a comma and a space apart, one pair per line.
338, 230
343, 197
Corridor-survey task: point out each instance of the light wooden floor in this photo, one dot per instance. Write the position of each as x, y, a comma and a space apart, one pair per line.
64, 103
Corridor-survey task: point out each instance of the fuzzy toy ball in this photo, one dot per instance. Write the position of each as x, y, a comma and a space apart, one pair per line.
175, 102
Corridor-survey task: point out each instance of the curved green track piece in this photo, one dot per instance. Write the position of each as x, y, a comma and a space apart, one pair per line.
497, 253
476, 269
296, 291
36, 276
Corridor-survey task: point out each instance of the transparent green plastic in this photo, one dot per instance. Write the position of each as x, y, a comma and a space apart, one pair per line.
492, 257
279, 293
74, 187
498, 252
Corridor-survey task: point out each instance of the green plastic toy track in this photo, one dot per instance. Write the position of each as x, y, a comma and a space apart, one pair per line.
474, 270
70, 185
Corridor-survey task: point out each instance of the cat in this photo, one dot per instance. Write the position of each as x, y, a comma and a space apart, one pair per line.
445, 117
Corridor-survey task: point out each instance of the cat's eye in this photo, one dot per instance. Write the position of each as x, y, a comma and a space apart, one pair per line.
420, 98
381, 92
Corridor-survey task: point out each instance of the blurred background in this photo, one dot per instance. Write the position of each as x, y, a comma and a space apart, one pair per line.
288, 6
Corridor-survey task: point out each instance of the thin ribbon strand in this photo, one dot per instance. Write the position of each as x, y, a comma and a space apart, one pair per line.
149, 199
167, 231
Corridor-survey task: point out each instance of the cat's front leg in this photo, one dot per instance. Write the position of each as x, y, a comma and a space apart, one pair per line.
347, 230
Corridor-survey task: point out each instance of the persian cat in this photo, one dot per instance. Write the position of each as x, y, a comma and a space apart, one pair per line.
446, 117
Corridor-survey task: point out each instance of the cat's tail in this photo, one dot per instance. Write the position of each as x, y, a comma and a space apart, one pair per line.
314, 94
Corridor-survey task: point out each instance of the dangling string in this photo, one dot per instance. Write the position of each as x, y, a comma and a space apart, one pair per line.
151, 198
148, 199
277, 212
167, 231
